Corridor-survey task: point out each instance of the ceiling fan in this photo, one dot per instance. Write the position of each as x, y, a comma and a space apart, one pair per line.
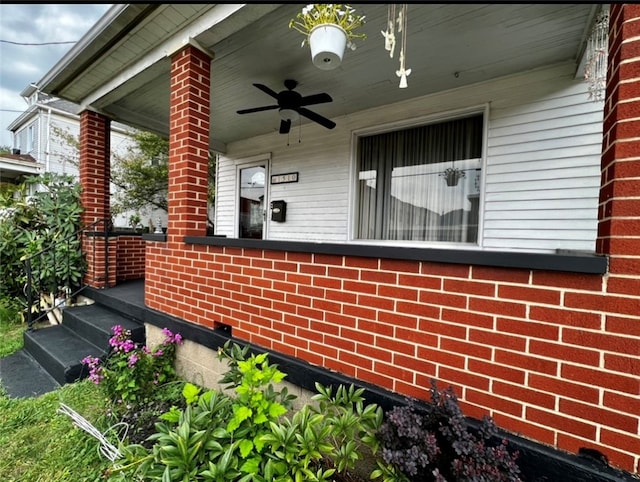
291, 105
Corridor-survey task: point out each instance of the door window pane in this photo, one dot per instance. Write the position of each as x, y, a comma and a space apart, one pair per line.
252, 199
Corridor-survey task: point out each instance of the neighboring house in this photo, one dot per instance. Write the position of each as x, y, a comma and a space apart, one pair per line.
520, 285
36, 132
15, 167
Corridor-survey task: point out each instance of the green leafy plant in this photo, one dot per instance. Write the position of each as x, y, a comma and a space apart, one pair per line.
131, 372
10, 310
134, 221
247, 437
342, 15
49, 218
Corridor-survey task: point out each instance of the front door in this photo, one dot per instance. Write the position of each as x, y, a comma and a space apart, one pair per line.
252, 199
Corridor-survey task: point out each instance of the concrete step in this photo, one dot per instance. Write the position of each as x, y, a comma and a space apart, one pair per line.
60, 352
94, 323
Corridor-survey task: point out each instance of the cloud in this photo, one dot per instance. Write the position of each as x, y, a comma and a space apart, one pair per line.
24, 64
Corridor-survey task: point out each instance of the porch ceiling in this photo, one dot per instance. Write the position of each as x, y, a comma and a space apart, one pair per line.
449, 45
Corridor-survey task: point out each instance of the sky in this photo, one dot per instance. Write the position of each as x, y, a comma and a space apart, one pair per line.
21, 65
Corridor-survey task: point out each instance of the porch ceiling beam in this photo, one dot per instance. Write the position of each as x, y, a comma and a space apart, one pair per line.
214, 17
157, 72
151, 124
134, 119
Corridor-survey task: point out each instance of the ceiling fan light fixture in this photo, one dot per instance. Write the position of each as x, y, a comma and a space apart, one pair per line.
291, 106
289, 115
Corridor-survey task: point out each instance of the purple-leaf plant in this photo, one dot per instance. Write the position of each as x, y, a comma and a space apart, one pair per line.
434, 444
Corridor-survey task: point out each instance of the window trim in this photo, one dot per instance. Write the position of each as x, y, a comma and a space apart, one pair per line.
31, 129
433, 118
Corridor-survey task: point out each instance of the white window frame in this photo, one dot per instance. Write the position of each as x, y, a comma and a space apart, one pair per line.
31, 128
407, 124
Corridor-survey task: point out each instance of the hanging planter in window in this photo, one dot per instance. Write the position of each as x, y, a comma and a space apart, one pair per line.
452, 175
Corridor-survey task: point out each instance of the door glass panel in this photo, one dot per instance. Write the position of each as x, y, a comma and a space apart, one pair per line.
252, 202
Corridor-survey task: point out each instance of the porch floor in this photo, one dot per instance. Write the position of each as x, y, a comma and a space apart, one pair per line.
127, 292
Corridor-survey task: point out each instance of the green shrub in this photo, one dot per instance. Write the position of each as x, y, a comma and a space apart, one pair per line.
29, 224
10, 310
246, 437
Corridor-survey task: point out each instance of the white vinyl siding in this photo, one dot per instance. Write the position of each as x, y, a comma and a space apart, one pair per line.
317, 205
62, 156
542, 173
543, 170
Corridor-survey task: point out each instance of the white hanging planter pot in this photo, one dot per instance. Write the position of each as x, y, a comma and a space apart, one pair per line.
327, 42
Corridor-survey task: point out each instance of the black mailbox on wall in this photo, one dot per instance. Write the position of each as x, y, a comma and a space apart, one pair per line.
278, 211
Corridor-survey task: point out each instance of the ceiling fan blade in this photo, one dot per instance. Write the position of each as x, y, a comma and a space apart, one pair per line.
323, 121
257, 109
267, 90
315, 99
285, 126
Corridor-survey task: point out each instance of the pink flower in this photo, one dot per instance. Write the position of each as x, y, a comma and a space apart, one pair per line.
133, 359
127, 346
170, 338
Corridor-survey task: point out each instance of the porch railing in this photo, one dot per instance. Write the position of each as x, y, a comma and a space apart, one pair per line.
43, 276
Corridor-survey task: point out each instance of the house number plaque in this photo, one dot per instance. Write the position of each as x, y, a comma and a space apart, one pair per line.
284, 178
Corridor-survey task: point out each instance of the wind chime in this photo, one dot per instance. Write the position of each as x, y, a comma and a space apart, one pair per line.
595, 70
390, 39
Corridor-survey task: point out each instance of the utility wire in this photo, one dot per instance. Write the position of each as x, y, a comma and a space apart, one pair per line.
37, 43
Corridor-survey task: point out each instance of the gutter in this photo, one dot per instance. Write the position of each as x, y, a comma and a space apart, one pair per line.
22, 117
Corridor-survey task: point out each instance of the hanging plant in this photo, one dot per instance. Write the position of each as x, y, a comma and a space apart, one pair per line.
314, 14
328, 29
452, 175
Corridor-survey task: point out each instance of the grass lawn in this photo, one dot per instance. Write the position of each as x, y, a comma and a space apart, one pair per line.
10, 337
37, 444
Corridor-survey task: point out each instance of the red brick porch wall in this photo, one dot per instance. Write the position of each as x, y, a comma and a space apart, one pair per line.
551, 355
130, 257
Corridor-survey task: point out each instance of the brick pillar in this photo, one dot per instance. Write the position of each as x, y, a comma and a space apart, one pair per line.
95, 173
188, 144
619, 211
